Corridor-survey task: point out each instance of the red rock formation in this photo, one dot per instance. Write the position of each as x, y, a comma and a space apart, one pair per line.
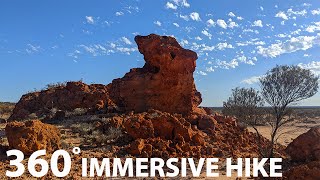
165, 82
306, 147
161, 134
160, 124
67, 98
32, 136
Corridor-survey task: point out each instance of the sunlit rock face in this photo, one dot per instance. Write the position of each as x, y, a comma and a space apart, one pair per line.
165, 82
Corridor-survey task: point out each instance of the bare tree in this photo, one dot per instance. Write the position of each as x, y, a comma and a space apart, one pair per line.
283, 86
247, 106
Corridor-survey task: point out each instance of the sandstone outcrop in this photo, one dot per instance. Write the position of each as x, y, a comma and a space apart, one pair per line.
67, 98
32, 136
165, 83
306, 147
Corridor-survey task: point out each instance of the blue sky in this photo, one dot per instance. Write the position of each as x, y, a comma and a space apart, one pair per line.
43, 42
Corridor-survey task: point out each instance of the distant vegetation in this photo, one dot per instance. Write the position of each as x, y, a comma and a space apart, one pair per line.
54, 85
281, 87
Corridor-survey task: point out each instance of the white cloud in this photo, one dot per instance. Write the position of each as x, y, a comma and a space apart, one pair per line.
207, 48
314, 27
203, 73
176, 24
210, 69
251, 80
261, 8
170, 5
246, 60
251, 30
89, 19
289, 46
222, 23
210, 23
206, 33
240, 18
182, 3
296, 32
290, 14
314, 66
224, 45
184, 17
195, 16
306, 5
315, 12
184, 42
258, 23
119, 13
298, 13
231, 14
232, 24
198, 38
251, 42
227, 65
126, 40
158, 23
282, 15
126, 50
32, 49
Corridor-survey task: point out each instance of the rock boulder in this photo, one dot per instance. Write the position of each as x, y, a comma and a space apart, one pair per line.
306, 147
32, 136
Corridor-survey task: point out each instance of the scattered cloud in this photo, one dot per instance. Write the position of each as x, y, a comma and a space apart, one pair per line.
240, 18
170, 5
119, 13
224, 45
227, 65
126, 40
203, 73
206, 33
210, 23
231, 14
158, 23
90, 19
306, 5
184, 17
195, 16
176, 24
198, 38
257, 23
315, 12
31, 49
292, 45
314, 66
314, 27
222, 23
232, 25
290, 14
181, 3
251, 80
282, 15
